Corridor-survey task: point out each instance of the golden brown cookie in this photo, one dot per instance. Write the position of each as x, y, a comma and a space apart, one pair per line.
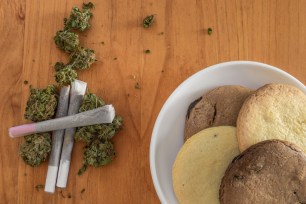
271, 171
274, 111
201, 163
219, 106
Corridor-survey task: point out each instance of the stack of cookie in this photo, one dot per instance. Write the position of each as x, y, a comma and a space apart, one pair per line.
244, 146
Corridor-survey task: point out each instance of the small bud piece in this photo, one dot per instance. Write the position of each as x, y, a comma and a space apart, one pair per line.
35, 149
88, 5
82, 58
66, 40
79, 20
65, 75
148, 21
41, 104
98, 154
59, 65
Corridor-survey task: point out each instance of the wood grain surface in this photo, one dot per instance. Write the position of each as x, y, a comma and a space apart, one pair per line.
269, 31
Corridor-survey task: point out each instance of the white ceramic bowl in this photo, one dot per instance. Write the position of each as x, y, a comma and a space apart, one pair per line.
168, 131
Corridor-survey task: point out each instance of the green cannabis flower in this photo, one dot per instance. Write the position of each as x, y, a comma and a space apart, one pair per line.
82, 58
148, 21
79, 20
35, 148
101, 131
91, 101
66, 40
41, 104
65, 75
98, 154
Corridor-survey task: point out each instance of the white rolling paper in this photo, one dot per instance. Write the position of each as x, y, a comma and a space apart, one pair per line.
78, 89
57, 141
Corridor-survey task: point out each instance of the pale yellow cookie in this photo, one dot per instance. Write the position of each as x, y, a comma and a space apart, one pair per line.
201, 163
274, 111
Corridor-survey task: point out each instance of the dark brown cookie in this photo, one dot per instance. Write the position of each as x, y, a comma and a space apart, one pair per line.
272, 171
219, 106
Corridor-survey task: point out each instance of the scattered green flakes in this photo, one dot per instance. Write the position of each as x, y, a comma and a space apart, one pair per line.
147, 51
35, 148
65, 76
39, 186
148, 21
209, 31
137, 85
41, 104
79, 19
99, 154
82, 169
66, 40
82, 58
25, 82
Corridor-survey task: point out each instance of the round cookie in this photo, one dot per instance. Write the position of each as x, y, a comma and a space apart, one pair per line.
201, 163
271, 171
274, 111
217, 107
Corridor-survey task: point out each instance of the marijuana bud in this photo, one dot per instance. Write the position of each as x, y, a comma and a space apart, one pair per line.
148, 21
79, 20
59, 65
41, 104
82, 58
36, 148
99, 131
91, 101
98, 154
65, 75
66, 40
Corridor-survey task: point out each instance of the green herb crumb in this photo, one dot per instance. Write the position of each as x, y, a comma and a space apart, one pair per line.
82, 169
148, 21
36, 148
209, 31
39, 186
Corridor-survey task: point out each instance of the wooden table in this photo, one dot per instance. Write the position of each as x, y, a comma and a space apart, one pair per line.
269, 31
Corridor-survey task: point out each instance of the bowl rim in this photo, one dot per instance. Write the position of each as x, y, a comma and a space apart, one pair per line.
152, 155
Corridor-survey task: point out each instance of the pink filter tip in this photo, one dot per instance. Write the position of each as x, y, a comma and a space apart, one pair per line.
22, 130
